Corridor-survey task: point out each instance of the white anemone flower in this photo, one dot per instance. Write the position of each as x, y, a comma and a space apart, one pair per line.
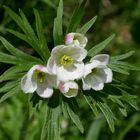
76, 39
97, 73
69, 89
66, 62
38, 79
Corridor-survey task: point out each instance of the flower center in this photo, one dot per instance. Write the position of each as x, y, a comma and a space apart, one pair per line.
66, 60
94, 71
40, 75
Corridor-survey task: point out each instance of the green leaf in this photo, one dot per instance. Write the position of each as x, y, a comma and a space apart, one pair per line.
123, 56
41, 37
51, 126
93, 133
108, 114
92, 104
75, 118
27, 27
123, 111
76, 17
11, 93
130, 99
15, 17
57, 29
88, 25
19, 35
117, 100
127, 66
5, 58
11, 73
19, 54
99, 47
23, 23
116, 68
8, 86
49, 3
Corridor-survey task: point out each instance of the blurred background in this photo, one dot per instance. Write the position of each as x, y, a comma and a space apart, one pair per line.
121, 17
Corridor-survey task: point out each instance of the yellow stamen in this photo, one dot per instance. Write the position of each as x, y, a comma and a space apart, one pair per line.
66, 60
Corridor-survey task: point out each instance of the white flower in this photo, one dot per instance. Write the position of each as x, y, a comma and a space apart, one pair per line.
97, 73
38, 79
69, 89
76, 39
66, 62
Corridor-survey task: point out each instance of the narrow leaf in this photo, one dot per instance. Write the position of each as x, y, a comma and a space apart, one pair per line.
115, 67
94, 131
11, 93
8, 86
108, 114
75, 119
15, 17
23, 23
130, 99
41, 37
29, 31
127, 66
11, 73
57, 29
18, 53
99, 47
123, 56
88, 25
5, 58
49, 3
19, 35
51, 126
92, 105
76, 17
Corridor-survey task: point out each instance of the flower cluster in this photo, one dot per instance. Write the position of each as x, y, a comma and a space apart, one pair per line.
65, 66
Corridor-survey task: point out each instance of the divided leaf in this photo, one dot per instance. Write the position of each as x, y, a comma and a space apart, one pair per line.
51, 126
17, 53
30, 37
6, 58
88, 25
12, 92
123, 56
41, 37
99, 47
108, 114
76, 18
57, 29
73, 116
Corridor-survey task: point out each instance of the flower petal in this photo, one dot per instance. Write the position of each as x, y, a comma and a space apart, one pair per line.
69, 89
76, 39
94, 82
85, 85
51, 66
103, 58
64, 74
28, 84
90, 66
44, 92
109, 74
77, 53
69, 38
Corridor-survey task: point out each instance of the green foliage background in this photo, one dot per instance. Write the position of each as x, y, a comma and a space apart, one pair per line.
117, 16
